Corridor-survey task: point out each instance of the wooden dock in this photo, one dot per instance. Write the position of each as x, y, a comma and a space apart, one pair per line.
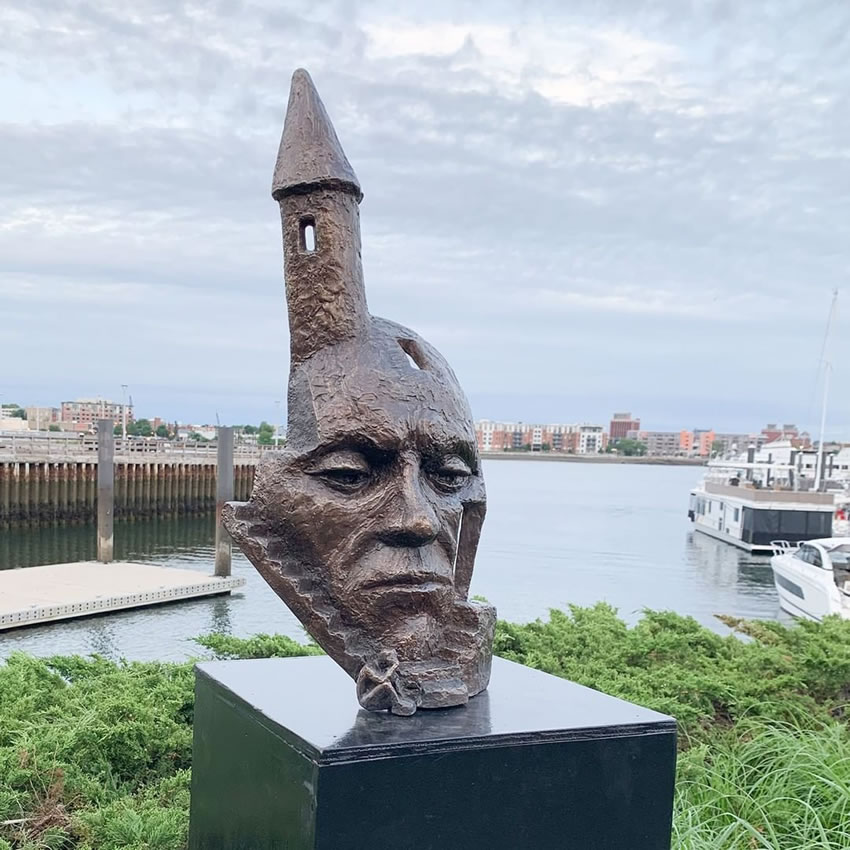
35, 595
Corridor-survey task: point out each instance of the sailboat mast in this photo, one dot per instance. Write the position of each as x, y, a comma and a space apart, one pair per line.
826, 370
819, 472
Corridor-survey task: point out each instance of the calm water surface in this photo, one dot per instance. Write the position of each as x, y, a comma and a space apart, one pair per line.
556, 534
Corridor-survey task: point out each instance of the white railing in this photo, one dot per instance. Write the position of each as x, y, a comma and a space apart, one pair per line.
83, 448
782, 547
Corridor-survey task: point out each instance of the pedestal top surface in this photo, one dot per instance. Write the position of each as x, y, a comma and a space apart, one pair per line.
311, 703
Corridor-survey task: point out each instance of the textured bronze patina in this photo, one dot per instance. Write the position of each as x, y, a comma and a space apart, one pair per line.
367, 524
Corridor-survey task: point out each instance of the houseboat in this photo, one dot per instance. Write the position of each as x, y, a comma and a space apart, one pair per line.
772, 494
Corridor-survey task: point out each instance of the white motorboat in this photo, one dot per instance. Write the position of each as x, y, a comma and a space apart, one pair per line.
813, 578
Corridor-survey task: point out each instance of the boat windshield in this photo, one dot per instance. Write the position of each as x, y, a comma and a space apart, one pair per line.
840, 556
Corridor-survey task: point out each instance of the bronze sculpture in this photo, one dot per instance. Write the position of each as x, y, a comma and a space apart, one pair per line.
367, 523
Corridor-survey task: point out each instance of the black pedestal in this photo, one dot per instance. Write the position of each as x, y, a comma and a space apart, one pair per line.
284, 758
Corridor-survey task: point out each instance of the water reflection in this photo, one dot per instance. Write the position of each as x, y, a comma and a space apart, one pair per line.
555, 534
169, 538
726, 564
220, 616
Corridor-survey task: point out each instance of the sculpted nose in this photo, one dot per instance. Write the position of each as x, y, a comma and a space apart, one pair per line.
411, 519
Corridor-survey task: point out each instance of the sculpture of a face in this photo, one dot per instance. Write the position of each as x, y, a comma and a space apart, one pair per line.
367, 523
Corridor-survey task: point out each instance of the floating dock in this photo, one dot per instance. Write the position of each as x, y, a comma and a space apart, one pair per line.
34, 595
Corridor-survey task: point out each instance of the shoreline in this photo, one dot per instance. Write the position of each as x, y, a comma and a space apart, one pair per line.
568, 458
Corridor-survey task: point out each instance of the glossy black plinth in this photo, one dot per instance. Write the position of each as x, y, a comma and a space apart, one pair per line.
285, 759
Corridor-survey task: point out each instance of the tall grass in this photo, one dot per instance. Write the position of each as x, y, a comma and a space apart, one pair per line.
774, 786
96, 755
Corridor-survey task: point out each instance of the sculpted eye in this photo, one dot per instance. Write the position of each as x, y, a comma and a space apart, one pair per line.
344, 470
450, 473
348, 478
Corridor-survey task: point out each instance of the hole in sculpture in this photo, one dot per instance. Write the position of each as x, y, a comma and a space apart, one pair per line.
308, 235
413, 352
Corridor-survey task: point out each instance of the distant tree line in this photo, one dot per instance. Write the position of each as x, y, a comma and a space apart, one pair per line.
143, 428
264, 432
627, 447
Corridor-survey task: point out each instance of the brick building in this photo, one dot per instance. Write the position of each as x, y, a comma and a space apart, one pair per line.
85, 412
521, 436
621, 424
772, 432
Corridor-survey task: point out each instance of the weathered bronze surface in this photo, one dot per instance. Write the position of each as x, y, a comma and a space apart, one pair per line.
367, 524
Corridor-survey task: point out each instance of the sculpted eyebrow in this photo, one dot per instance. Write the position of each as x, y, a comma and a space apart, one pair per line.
353, 442
462, 448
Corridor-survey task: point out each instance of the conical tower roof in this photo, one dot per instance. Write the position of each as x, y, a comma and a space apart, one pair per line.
310, 155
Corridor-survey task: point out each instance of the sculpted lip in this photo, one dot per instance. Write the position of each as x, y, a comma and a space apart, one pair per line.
407, 580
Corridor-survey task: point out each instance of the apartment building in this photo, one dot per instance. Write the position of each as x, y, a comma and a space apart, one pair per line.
86, 411
559, 437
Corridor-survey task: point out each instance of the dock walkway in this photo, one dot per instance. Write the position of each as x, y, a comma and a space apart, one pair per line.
35, 595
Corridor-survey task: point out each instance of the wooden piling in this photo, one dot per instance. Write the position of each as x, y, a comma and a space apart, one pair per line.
223, 493
105, 489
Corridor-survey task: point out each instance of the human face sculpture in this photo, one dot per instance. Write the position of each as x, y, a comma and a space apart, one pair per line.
377, 505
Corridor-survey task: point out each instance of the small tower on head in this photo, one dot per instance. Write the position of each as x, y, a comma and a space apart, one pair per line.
319, 194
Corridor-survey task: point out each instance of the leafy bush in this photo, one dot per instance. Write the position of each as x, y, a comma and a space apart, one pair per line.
96, 755
259, 646
79, 736
673, 664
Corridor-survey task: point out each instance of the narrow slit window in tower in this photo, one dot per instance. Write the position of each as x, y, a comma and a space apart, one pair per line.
308, 234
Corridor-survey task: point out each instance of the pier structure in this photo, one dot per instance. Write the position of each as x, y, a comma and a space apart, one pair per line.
47, 489
36, 595
47, 481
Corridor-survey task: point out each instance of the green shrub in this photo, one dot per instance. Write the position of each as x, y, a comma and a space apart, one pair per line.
96, 755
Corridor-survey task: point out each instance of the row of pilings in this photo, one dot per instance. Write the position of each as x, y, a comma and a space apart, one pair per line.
52, 493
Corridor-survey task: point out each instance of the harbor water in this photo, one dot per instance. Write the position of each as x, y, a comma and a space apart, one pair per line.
556, 534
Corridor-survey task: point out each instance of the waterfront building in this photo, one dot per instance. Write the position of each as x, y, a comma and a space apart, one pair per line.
208, 432
556, 437
591, 439
659, 443
41, 418
703, 441
621, 424
772, 432
730, 444
86, 412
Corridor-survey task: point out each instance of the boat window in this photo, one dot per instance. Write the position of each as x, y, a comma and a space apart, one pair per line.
819, 524
737, 514
747, 525
815, 557
793, 524
840, 556
803, 553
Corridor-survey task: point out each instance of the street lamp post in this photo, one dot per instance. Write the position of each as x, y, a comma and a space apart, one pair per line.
277, 424
123, 412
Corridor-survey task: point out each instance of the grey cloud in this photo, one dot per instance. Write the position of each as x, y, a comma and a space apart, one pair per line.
543, 244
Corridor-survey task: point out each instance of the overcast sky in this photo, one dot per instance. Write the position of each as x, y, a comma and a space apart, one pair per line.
589, 206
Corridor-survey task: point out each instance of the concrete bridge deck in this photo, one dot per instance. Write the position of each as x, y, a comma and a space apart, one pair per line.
35, 595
